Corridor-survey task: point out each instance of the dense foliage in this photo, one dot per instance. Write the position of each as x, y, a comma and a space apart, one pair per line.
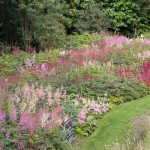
45, 24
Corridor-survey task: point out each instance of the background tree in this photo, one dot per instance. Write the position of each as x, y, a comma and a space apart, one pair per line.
92, 19
9, 24
123, 15
45, 24
84, 16
41, 23
144, 13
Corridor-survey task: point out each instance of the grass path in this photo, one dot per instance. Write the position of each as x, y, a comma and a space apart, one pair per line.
114, 125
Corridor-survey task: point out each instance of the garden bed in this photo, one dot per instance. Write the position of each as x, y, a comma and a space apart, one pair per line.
85, 84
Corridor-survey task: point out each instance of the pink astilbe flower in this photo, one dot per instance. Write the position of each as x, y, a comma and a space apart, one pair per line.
24, 119
80, 121
44, 67
91, 106
55, 118
49, 95
44, 119
53, 71
47, 120
81, 117
28, 63
49, 99
15, 98
97, 108
146, 41
13, 114
34, 98
7, 135
20, 146
1, 146
26, 91
53, 115
140, 76
58, 109
57, 95
2, 116
41, 93
21, 70
27, 122
116, 40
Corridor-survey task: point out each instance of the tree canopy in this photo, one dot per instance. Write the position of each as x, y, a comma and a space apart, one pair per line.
46, 24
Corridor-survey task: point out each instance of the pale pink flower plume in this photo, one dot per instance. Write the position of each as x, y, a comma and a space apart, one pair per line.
57, 96
2, 116
13, 114
7, 135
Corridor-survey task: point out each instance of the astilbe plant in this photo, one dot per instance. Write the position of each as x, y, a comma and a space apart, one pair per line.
90, 108
142, 56
115, 40
89, 111
33, 109
30, 66
125, 73
144, 75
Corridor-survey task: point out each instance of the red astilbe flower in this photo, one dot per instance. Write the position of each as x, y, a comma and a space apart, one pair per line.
93, 54
145, 73
125, 73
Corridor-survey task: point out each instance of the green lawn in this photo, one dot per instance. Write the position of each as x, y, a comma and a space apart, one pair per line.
114, 125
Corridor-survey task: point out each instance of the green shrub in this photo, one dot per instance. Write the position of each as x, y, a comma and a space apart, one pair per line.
146, 34
86, 129
77, 41
92, 19
122, 90
116, 100
54, 139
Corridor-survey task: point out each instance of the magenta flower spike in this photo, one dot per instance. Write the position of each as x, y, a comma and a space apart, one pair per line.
2, 116
13, 114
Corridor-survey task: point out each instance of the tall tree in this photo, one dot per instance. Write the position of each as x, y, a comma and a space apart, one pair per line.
9, 24
123, 15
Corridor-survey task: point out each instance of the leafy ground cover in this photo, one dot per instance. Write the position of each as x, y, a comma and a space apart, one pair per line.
114, 126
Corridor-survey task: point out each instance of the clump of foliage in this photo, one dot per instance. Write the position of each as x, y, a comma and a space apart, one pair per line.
46, 24
83, 40
31, 117
42, 24
92, 19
